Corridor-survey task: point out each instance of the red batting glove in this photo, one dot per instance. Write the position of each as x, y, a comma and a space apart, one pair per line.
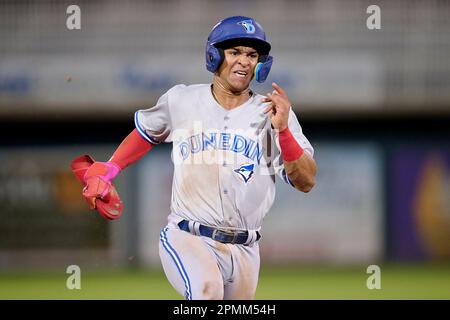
98, 179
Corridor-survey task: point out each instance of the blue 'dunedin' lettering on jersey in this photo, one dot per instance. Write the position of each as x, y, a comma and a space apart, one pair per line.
256, 153
239, 144
196, 144
184, 149
225, 141
209, 141
249, 148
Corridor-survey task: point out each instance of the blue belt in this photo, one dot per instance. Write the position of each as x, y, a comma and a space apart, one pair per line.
235, 237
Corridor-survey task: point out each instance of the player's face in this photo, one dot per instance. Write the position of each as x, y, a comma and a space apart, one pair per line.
238, 67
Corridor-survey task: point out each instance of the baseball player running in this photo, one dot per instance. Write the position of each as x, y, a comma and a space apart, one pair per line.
228, 145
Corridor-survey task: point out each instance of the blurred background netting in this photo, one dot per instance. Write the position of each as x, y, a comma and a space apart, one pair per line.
374, 103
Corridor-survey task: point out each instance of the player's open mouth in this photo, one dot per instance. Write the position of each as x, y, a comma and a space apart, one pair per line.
241, 74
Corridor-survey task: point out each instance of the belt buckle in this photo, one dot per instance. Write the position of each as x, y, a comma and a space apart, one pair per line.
229, 233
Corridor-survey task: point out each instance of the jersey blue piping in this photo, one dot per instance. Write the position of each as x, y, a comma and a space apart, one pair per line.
142, 131
286, 178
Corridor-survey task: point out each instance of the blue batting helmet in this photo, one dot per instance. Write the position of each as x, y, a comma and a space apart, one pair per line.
238, 30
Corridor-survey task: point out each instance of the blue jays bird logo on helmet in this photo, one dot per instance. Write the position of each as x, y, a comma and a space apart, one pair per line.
243, 29
248, 26
245, 171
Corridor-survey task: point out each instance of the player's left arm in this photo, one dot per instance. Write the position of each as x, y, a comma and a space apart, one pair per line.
302, 171
299, 165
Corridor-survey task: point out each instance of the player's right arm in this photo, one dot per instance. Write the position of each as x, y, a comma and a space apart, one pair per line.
99, 175
152, 127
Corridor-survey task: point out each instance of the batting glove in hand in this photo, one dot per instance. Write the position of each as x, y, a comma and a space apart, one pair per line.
98, 179
98, 190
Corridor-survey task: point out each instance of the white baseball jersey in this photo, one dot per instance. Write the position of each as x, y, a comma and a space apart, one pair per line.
225, 161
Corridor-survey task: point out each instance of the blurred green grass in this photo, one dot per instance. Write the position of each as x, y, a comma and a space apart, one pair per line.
303, 282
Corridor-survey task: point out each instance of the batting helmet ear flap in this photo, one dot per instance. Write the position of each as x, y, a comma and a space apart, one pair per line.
262, 69
214, 57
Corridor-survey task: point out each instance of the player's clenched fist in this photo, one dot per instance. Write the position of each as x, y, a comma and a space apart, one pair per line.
98, 181
98, 189
279, 107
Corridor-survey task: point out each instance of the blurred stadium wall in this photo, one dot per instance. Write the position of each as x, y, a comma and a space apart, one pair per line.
374, 103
